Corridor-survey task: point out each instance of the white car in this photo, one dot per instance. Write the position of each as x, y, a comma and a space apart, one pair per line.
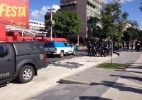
58, 48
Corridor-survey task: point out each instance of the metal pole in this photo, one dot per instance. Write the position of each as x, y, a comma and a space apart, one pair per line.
22, 34
78, 39
51, 26
111, 50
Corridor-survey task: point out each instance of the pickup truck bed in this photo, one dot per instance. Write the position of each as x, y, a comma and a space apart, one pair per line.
21, 60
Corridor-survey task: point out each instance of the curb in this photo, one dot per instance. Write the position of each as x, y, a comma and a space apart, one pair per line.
116, 53
64, 81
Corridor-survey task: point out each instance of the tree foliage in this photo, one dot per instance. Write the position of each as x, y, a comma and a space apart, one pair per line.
66, 22
112, 21
139, 35
132, 34
92, 25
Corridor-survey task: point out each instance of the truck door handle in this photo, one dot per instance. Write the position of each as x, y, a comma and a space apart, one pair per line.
8, 60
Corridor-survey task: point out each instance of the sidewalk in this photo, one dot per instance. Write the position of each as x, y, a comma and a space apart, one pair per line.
48, 77
100, 83
122, 84
129, 86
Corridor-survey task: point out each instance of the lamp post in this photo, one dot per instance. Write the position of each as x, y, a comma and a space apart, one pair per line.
111, 49
51, 27
78, 39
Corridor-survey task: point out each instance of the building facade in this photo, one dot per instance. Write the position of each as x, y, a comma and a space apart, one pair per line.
36, 25
130, 23
85, 9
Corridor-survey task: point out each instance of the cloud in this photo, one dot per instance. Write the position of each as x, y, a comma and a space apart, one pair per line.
39, 14
124, 1
56, 7
120, 1
106, 1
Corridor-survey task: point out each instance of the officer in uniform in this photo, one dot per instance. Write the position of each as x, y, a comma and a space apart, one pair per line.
94, 44
89, 45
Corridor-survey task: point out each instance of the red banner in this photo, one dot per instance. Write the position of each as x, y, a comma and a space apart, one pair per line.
14, 12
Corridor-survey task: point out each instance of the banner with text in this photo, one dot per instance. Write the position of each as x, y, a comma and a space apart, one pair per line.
14, 12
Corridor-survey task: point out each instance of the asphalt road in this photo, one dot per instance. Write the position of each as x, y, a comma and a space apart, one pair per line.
56, 58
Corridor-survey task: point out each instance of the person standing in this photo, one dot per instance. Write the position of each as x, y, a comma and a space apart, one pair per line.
123, 45
132, 45
89, 46
136, 45
140, 45
93, 48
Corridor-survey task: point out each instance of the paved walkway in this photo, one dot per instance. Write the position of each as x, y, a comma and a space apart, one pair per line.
99, 83
129, 85
48, 77
126, 86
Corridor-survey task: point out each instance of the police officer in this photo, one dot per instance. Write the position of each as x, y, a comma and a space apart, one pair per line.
138, 46
98, 48
89, 45
94, 43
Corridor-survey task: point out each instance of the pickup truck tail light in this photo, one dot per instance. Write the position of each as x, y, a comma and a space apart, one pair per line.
45, 57
55, 49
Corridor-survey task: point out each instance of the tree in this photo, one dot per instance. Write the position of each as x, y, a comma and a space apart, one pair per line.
93, 21
113, 21
66, 22
131, 34
139, 35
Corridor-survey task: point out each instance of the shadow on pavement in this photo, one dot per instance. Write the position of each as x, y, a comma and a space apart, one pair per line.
135, 67
53, 56
92, 98
14, 81
3, 85
128, 77
67, 64
121, 87
130, 71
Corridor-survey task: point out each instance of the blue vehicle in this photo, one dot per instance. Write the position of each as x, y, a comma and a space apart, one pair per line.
73, 46
58, 48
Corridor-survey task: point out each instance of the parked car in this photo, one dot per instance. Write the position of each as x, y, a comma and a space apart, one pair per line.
21, 60
73, 46
58, 48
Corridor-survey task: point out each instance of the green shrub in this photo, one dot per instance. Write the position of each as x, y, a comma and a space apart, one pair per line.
112, 65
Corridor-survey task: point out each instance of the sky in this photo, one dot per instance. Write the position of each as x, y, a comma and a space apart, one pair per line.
38, 8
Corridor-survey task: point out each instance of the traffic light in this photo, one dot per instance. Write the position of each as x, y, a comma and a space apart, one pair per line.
47, 16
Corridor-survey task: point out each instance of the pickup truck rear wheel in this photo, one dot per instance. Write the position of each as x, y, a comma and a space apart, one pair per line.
26, 74
61, 54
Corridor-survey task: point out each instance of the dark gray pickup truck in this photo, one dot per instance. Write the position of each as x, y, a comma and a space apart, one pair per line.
20, 60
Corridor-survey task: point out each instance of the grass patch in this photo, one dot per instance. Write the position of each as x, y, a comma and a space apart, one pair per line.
112, 66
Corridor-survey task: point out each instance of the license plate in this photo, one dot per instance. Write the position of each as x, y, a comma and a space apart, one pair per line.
46, 49
48, 52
